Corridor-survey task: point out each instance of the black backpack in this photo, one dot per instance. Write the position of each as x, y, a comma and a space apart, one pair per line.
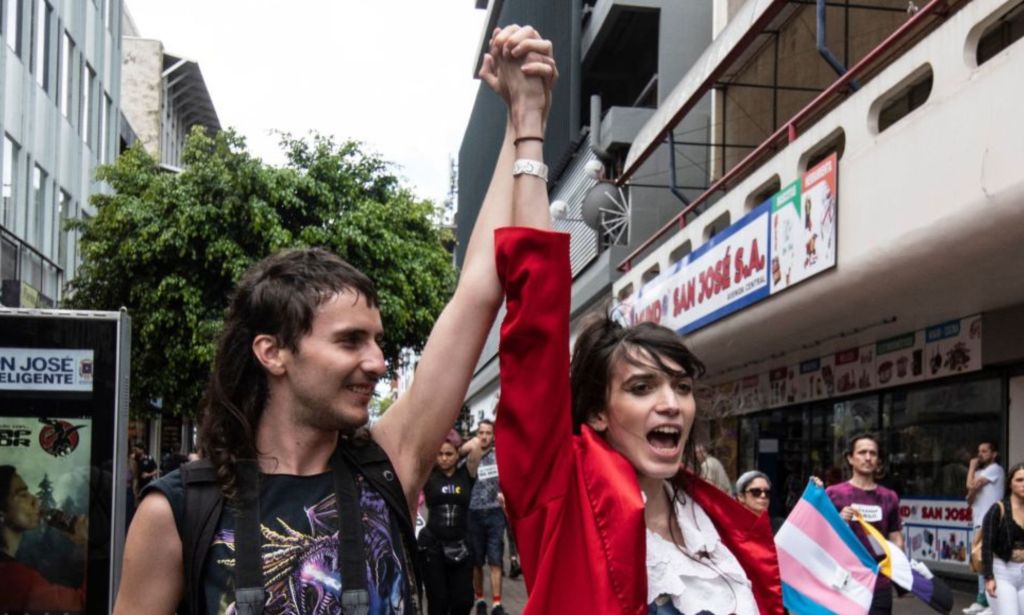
204, 504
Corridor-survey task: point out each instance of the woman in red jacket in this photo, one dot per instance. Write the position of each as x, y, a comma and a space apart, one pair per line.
606, 518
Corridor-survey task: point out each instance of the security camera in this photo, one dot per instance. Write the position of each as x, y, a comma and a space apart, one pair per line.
594, 169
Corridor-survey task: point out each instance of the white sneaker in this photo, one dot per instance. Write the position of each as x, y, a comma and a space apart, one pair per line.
985, 611
974, 609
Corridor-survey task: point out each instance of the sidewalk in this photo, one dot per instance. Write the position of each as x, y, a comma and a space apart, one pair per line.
514, 599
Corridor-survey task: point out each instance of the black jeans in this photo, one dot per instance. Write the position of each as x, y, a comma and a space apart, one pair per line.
449, 586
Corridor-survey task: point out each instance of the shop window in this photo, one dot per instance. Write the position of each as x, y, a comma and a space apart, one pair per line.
12, 26
679, 252
905, 98
1006, 31
763, 192
716, 226
933, 433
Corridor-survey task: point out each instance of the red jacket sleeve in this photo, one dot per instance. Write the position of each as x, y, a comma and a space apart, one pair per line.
533, 428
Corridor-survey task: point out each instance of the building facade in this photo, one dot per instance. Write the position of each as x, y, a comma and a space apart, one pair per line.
827, 201
60, 118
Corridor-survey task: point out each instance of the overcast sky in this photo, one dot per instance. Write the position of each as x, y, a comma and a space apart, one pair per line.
395, 74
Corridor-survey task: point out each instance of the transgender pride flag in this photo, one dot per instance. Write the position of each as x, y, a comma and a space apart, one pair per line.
825, 569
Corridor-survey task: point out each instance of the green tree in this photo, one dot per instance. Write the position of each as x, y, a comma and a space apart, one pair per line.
170, 247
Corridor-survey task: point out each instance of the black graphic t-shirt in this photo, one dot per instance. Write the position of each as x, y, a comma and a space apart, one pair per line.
299, 522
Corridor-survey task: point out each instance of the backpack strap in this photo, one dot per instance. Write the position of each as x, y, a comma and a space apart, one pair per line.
203, 506
373, 463
355, 595
250, 595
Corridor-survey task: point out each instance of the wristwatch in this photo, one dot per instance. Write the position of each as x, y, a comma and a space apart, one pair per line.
525, 166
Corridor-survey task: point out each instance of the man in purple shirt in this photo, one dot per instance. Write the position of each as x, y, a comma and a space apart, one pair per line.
879, 506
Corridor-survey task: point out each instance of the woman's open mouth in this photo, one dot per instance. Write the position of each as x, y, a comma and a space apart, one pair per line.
665, 438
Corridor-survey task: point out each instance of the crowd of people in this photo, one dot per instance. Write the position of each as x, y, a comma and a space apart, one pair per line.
294, 505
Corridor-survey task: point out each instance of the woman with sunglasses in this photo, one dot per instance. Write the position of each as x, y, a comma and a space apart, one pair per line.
754, 490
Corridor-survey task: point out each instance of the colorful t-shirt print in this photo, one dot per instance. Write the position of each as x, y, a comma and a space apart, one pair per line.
299, 522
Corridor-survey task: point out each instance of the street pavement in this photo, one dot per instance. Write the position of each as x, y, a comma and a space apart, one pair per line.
514, 599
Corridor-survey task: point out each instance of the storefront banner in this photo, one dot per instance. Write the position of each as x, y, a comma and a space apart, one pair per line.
953, 347
855, 370
753, 393
816, 379
725, 275
900, 359
782, 385
45, 369
50, 456
937, 529
945, 349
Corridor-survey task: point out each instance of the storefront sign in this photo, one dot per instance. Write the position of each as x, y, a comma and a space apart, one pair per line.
724, 275
949, 348
936, 529
43, 369
787, 239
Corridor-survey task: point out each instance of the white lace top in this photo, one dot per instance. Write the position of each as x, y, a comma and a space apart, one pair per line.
715, 583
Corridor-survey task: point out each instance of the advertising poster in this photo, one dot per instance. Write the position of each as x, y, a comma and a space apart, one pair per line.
953, 347
816, 379
787, 235
46, 369
782, 383
855, 369
44, 485
937, 530
900, 359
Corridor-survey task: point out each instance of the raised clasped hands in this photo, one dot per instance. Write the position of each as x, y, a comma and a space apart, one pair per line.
520, 68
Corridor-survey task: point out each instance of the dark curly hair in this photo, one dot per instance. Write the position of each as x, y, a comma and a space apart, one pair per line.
277, 296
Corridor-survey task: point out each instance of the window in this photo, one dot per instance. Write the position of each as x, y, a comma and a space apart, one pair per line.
88, 76
67, 55
1006, 31
104, 119
718, 225
931, 438
905, 99
10, 161
12, 26
38, 230
63, 214
41, 49
679, 252
8, 259
650, 274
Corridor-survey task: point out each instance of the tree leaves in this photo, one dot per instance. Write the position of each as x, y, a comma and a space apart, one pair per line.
170, 247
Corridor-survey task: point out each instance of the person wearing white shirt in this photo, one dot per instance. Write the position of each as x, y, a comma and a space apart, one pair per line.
985, 486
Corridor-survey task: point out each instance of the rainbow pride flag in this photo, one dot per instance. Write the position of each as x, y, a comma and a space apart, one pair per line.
825, 568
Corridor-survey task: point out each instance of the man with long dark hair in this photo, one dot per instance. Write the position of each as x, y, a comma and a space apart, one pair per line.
292, 380
878, 505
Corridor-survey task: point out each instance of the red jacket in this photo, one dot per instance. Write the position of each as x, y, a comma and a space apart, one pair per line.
573, 502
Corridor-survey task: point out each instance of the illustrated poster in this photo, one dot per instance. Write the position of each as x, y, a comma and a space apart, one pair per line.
44, 490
